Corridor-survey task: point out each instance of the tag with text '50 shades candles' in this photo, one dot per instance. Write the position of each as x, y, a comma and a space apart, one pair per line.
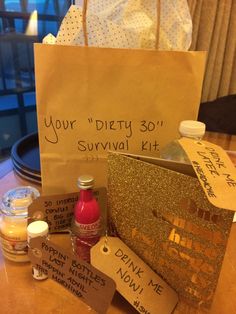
80, 278
135, 281
214, 170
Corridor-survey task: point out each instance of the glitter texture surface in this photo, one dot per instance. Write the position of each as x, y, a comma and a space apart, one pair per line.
165, 218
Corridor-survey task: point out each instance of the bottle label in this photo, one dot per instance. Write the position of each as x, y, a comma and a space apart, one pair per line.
38, 274
88, 230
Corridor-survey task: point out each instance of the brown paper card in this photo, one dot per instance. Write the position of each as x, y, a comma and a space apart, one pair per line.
98, 99
80, 278
58, 210
138, 284
215, 171
165, 217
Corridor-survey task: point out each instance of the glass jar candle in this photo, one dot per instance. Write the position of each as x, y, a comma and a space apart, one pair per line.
13, 225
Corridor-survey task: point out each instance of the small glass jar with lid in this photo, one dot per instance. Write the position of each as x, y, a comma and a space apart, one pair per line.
13, 224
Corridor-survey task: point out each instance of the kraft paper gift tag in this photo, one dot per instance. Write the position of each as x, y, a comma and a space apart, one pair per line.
140, 286
80, 278
215, 171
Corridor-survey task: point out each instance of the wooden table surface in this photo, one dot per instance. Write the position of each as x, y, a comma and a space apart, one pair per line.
21, 294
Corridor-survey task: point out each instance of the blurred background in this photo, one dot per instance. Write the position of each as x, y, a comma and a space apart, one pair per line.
24, 22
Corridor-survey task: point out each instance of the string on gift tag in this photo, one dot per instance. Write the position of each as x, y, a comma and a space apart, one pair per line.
105, 248
138, 283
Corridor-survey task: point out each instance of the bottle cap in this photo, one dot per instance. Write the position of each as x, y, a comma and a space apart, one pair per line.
37, 228
85, 182
15, 202
192, 128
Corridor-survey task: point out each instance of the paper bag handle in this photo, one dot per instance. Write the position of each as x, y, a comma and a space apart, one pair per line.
85, 6
158, 23
84, 22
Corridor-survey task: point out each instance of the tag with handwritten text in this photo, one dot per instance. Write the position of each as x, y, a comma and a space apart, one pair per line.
139, 285
80, 278
58, 210
214, 170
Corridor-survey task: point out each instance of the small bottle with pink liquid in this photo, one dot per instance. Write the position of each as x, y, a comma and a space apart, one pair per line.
87, 222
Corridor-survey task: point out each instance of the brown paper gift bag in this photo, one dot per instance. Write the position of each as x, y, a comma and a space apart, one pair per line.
91, 100
159, 209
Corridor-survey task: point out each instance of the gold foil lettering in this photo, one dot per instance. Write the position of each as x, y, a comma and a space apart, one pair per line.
175, 237
216, 237
136, 234
200, 281
197, 264
191, 207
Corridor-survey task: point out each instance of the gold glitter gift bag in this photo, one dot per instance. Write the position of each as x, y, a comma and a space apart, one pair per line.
159, 209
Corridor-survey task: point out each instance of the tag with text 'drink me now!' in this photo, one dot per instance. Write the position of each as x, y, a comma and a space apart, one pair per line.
135, 281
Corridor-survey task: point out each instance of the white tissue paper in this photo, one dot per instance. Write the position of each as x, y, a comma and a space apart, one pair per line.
49, 39
128, 24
